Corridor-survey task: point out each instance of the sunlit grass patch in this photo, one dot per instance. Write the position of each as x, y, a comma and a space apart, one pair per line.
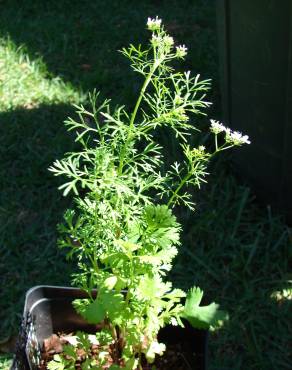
33, 106
5, 361
282, 295
27, 83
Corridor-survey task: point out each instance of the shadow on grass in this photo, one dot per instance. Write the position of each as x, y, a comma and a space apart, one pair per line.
78, 41
240, 256
30, 205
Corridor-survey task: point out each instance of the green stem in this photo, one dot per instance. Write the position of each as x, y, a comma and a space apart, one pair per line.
93, 261
113, 331
133, 116
190, 173
225, 148
184, 180
128, 296
143, 89
216, 143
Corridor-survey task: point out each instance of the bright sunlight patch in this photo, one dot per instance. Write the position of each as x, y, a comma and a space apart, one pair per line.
26, 83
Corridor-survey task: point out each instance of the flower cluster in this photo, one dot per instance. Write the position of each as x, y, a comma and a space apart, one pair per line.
156, 40
217, 127
154, 24
165, 42
199, 152
168, 41
181, 51
236, 137
162, 39
232, 137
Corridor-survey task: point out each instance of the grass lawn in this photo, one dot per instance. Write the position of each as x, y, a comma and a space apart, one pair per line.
51, 54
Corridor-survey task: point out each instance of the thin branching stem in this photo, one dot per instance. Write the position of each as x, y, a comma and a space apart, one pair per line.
133, 116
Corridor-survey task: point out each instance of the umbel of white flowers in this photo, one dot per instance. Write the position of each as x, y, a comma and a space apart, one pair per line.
233, 137
154, 24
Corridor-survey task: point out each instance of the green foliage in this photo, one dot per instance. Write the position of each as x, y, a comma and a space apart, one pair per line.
58, 363
70, 355
122, 231
202, 317
108, 304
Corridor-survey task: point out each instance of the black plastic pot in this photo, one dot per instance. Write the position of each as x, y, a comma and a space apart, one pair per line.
48, 310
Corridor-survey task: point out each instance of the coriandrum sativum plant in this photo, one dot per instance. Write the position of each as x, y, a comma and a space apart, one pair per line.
122, 230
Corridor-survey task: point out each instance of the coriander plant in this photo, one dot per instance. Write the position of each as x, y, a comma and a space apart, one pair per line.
122, 230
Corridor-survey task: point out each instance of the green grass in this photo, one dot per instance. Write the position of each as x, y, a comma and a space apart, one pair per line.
27, 83
51, 54
5, 361
237, 252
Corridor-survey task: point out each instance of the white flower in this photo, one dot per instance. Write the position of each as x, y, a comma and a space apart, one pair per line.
201, 148
217, 127
173, 321
181, 51
236, 138
153, 24
233, 137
